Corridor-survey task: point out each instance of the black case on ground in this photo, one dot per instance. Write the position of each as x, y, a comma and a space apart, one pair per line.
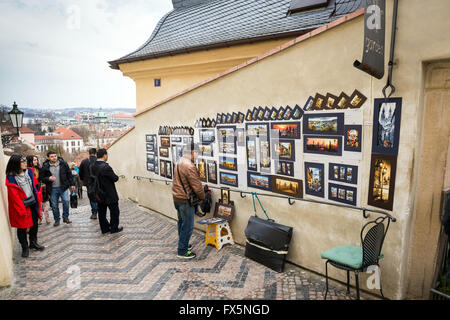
269, 235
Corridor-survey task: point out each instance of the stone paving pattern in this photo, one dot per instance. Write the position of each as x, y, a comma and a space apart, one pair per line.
141, 263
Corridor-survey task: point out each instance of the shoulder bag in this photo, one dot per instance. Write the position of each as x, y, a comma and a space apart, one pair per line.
192, 198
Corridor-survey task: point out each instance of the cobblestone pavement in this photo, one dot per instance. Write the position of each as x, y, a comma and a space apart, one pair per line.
141, 263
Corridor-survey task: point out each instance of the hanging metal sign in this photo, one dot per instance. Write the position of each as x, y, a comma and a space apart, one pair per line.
374, 39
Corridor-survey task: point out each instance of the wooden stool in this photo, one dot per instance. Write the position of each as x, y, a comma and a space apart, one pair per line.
218, 234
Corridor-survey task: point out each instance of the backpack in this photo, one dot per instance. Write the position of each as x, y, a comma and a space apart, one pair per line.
206, 204
73, 201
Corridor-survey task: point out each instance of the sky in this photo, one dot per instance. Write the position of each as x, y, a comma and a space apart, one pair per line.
55, 53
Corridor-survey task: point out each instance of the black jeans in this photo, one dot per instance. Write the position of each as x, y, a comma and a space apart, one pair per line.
114, 213
22, 233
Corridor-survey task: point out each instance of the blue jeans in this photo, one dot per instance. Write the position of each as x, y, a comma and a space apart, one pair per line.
94, 207
185, 225
55, 195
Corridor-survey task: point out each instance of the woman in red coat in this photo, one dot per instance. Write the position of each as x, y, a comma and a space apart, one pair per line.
23, 215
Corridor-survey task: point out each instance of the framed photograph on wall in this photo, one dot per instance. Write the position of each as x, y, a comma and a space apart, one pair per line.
287, 113
201, 166
165, 141
283, 149
273, 114
219, 118
297, 112
309, 104
352, 138
162, 166
229, 179
280, 114
264, 155
315, 179
323, 123
287, 186
326, 145
255, 114
224, 211
257, 129
267, 113
150, 138
163, 152
343, 173
386, 126
260, 116
241, 117
228, 163
212, 171
343, 194
225, 195
259, 181
248, 116
207, 136
342, 101
356, 100
330, 101
168, 169
285, 168
206, 150
150, 146
252, 164
319, 102
382, 181
286, 130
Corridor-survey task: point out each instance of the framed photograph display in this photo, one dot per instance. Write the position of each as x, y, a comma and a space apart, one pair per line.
280, 113
226, 133
248, 116
228, 163
259, 181
150, 157
176, 139
386, 126
225, 195
260, 115
162, 166
323, 123
287, 186
286, 130
356, 100
201, 166
150, 166
267, 113
255, 114
229, 118
319, 102
224, 211
285, 168
150, 146
219, 118
264, 155
150, 138
251, 154
352, 138
257, 129
326, 145
212, 171
207, 136
309, 104
241, 117
283, 149
315, 179
168, 169
297, 112
343, 173
382, 181
330, 101
342, 101
287, 113
273, 114
227, 147
343, 194
163, 152
165, 141
229, 179
206, 150
234, 117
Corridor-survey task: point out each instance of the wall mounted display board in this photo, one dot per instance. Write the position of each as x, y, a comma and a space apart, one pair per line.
228, 163
229, 179
382, 181
212, 171
314, 179
352, 138
285, 168
259, 181
343, 173
326, 145
323, 123
286, 130
251, 154
386, 125
207, 136
343, 194
356, 100
287, 186
257, 129
283, 149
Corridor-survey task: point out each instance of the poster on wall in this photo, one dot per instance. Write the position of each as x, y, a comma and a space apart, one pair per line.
314, 179
286, 130
326, 145
283, 149
259, 181
212, 171
229, 179
386, 125
287, 186
382, 181
353, 138
323, 123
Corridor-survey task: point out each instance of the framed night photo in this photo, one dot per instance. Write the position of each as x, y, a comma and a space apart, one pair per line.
248, 117
382, 181
386, 125
314, 179
326, 145
287, 186
286, 130
330, 101
212, 171
319, 102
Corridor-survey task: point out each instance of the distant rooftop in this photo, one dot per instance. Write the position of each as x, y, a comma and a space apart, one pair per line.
221, 23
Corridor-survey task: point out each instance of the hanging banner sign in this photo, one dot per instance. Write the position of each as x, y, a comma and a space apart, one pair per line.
374, 38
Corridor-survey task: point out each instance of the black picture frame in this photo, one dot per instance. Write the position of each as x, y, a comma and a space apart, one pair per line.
273, 114
227, 141
227, 178
267, 113
345, 173
342, 194
280, 113
229, 118
281, 146
287, 113
206, 150
356, 100
287, 186
297, 113
234, 117
202, 169
259, 181
342, 102
330, 101
319, 102
257, 129
241, 117
324, 117
284, 168
169, 169
150, 138
162, 166
318, 144
264, 160
255, 114
175, 139
150, 147
282, 129
219, 118
386, 129
165, 141
353, 138
211, 167
248, 116
315, 179
252, 160
163, 152
383, 168
213, 123
309, 104
228, 163
207, 136
260, 116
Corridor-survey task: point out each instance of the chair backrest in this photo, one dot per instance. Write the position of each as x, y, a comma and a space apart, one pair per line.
372, 240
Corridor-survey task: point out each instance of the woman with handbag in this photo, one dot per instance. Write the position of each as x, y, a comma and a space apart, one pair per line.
23, 202
33, 162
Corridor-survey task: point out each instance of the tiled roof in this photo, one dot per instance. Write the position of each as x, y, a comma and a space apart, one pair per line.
61, 134
221, 23
25, 129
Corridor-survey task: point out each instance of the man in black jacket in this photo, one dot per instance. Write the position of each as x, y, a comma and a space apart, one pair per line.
108, 197
57, 176
85, 175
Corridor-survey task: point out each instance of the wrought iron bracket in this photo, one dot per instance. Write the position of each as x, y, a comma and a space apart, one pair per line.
243, 195
291, 202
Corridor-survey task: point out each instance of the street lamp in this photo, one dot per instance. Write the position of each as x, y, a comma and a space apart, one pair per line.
17, 120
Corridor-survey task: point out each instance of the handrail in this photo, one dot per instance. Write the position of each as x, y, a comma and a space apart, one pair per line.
291, 200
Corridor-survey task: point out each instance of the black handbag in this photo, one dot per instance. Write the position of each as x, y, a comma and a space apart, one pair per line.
30, 201
193, 199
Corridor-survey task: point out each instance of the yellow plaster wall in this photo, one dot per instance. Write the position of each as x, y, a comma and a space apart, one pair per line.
322, 64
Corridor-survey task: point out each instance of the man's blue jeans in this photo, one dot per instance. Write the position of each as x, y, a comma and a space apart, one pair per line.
55, 195
185, 226
94, 207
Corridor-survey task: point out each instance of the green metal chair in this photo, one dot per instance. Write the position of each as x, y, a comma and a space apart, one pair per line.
358, 259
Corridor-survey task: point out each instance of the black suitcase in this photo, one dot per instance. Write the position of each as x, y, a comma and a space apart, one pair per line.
267, 242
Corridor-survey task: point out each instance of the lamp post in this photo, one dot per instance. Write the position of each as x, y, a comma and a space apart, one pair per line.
17, 120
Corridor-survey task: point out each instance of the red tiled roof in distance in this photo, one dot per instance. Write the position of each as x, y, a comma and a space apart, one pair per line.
67, 134
25, 129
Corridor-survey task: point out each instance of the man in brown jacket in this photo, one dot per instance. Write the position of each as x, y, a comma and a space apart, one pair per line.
190, 179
